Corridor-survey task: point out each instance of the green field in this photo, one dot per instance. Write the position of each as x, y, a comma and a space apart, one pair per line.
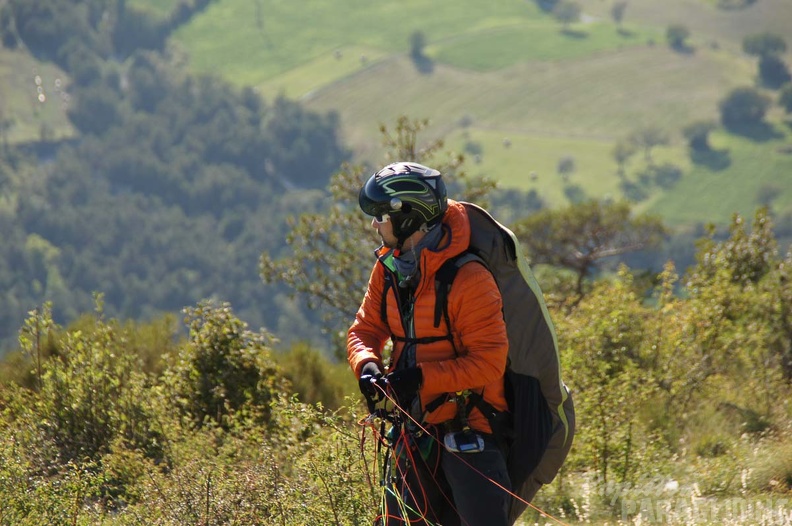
713, 195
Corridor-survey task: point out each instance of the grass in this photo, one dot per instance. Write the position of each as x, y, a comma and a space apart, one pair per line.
539, 40
529, 162
159, 8
326, 69
250, 42
29, 110
711, 195
604, 96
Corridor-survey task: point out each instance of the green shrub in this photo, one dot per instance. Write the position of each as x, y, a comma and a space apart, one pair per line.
91, 392
224, 371
314, 378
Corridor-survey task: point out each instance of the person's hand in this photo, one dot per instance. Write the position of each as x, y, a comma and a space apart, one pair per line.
405, 382
369, 376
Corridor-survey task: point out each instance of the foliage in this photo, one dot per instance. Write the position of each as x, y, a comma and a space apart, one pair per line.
621, 152
677, 35
617, 11
697, 134
47, 25
690, 385
773, 71
659, 364
743, 107
647, 138
102, 471
785, 97
90, 392
764, 44
743, 257
225, 372
172, 178
579, 236
612, 380
314, 378
567, 12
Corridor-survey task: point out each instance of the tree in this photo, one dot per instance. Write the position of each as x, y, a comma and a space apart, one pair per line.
676, 35
785, 97
697, 135
579, 236
665, 176
567, 12
417, 44
565, 167
8, 35
608, 331
621, 152
768, 193
138, 29
6, 123
617, 11
97, 110
773, 71
764, 44
743, 107
46, 25
647, 138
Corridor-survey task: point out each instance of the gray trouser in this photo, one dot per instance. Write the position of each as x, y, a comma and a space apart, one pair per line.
452, 489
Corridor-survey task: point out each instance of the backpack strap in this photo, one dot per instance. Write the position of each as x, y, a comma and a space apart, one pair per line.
444, 278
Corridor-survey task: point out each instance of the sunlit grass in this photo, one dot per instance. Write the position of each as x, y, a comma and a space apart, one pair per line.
546, 40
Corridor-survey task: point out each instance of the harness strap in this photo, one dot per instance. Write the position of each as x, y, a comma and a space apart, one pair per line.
425, 339
384, 305
437, 402
444, 278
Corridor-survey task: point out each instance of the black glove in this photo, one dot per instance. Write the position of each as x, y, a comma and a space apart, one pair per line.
405, 383
368, 377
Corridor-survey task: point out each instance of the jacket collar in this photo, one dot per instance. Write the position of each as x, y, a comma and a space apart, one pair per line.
455, 240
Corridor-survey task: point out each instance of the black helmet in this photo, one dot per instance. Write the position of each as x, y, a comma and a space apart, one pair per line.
410, 193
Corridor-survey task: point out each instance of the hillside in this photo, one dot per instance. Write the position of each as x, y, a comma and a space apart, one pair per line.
507, 71
501, 74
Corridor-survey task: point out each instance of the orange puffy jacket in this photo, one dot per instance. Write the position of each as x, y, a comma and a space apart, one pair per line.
477, 326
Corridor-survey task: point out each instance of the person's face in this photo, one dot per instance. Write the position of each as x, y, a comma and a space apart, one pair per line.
382, 224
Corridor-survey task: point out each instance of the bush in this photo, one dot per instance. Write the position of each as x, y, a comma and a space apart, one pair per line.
92, 392
224, 372
314, 378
